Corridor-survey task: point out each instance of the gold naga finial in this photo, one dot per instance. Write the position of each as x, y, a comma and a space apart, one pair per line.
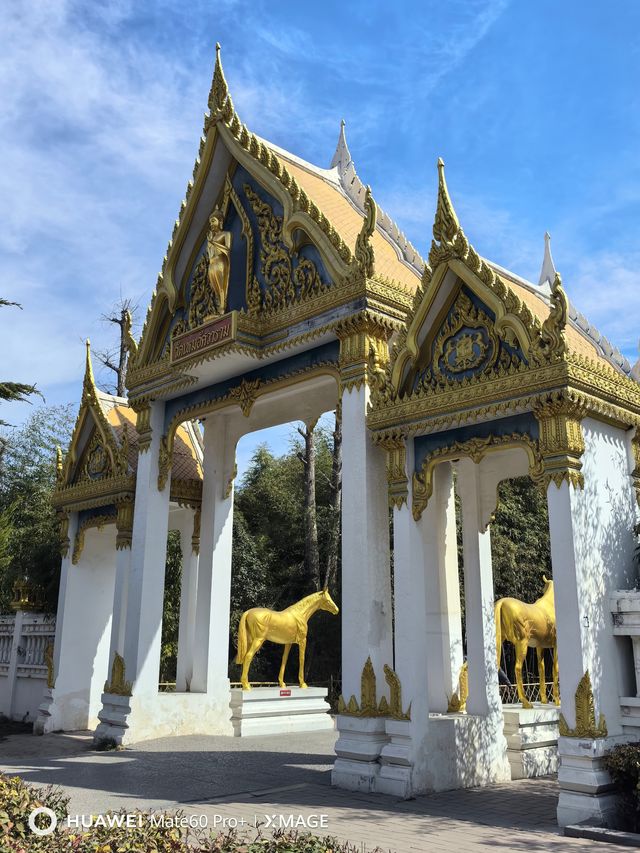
446, 225
364, 255
59, 464
89, 378
131, 345
219, 98
552, 332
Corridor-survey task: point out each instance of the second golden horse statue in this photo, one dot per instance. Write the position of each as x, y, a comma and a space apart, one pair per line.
527, 625
280, 626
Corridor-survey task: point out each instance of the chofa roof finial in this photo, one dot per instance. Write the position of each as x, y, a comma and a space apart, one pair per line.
548, 271
219, 98
446, 224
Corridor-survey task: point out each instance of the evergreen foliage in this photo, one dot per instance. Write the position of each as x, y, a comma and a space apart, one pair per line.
29, 543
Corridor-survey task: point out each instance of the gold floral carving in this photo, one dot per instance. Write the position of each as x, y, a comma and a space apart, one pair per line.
63, 533
118, 685
561, 440
286, 284
245, 394
48, 661
98, 521
124, 522
476, 449
395, 445
165, 456
195, 536
635, 474
229, 486
586, 725
458, 701
369, 705
143, 426
363, 349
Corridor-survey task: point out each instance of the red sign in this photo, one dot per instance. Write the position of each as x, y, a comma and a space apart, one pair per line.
207, 337
285, 693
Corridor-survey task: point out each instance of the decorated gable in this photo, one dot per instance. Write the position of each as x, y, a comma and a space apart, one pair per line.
466, 344
244, 263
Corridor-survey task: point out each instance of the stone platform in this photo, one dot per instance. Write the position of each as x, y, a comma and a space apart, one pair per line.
273, 710
532, 739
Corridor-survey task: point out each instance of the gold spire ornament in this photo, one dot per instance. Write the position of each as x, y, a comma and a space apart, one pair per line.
586, 725
458, 702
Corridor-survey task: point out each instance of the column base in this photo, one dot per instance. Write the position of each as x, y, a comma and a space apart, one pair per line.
396, 762
47, 719
532, 739
130, 719
586, 789
272, 710
358, 748
462, 751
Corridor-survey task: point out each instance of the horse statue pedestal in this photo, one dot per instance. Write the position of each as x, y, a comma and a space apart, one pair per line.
279, 710
532, 739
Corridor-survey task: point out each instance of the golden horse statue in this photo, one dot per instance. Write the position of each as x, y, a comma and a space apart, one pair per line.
280, 626
532, 625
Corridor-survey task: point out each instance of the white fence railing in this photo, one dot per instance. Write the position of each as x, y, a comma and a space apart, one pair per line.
24, 639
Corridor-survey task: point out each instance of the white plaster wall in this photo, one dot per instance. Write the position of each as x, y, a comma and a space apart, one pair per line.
84, 640
592, 554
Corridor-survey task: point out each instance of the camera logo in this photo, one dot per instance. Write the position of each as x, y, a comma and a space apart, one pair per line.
46, 830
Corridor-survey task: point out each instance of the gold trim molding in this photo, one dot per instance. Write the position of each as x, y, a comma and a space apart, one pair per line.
118, 685
476, 449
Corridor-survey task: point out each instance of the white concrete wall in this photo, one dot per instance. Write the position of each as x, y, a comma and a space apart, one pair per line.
592, 555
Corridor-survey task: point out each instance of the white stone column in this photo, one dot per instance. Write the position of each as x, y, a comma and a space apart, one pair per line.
592, 555
444, 621
484, 694
188, 594
48, 718
120, 596
366, 584
127, 718
83, 629
211, 638
484, 722
366, 591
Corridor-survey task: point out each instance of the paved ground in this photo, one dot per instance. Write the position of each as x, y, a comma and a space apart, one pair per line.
288, 774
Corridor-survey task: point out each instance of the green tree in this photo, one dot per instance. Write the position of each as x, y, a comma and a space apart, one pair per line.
28, 527
16, 392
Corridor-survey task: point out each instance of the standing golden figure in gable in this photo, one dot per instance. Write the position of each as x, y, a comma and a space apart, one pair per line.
219, 260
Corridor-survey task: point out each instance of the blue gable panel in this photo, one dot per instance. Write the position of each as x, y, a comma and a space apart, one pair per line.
524, 424
328, 352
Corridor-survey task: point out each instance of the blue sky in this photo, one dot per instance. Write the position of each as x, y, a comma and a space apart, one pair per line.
535, 108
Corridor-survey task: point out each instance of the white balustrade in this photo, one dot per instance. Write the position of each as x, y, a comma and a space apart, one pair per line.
24, 638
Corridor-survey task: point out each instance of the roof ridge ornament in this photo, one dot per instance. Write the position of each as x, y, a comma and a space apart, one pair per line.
364, 256
552, 333
342, 155
548, 271
446, 225
220, 103
89, 382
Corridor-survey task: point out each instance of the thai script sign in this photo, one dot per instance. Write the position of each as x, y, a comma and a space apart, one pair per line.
212, 334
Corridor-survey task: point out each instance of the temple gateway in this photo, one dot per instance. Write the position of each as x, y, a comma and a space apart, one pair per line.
287, 292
